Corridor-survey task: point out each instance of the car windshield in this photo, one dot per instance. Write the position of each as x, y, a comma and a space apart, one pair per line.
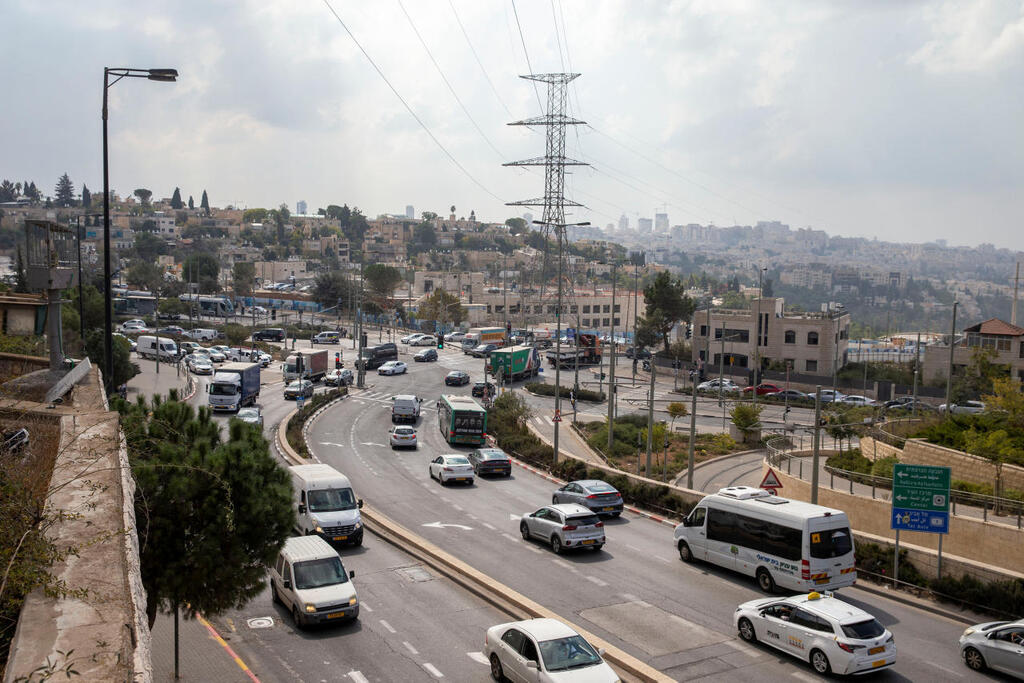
289, 368
217, 389
248, 414
331, 500
494, 455
568, 653
404, 430
295, 385
456, 460
318, 573
864, 630
831, 543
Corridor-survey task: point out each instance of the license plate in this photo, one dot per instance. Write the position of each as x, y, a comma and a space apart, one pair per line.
880, 662
460, 479
588, 542
820, 581
341, 538
607, 509
335, 615
876, 650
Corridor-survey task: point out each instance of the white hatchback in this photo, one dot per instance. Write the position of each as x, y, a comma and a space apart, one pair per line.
392, 367
452, 467
818, 628
402, 436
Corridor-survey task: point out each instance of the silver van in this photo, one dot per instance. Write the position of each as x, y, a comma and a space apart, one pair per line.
310, 581
327, 338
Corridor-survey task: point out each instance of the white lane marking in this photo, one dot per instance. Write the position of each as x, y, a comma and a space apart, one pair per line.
433, 670
594, 579
489, 526
748, 650
629, 597
510, 537
634, 548
409, 647
565, 565
949, 671
366, 607
514, 518
459, 508
641, 603
388, 626
357, 677
659, 557
478, 657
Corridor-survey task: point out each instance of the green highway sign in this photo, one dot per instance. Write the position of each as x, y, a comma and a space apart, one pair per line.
920, 498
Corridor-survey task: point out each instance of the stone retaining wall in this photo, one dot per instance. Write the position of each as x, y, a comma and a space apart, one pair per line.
966, 467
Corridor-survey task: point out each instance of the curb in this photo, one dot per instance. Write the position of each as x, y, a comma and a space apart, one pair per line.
919, 603
283, 447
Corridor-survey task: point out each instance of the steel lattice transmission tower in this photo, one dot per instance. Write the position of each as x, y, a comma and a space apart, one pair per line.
554, 202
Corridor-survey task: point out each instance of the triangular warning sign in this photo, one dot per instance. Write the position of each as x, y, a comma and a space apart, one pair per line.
771, 481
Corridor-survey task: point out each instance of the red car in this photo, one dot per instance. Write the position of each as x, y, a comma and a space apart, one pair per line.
763, 388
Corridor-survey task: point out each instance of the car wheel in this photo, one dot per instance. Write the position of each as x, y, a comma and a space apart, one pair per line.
556, 545
747, 630
496, 671
820, 662
524, 529
554, 500
685, 554
765, 580
974, 659
297, 619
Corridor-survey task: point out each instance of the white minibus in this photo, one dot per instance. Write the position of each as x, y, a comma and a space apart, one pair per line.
782, 542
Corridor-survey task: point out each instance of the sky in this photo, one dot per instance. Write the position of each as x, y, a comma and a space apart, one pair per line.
897, 120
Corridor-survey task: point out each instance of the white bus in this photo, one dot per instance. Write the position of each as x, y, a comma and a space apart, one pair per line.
781, 542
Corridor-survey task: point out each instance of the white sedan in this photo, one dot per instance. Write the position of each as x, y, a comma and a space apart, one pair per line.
544, 650
214, 356
392, 367
402, 436
424, 340
851, 400
830, 634
712, 385
199, 364
452, 467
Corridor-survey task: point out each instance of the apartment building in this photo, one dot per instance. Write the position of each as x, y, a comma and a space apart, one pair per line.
469, 284
998, 335
590, 311
812, 343
278, 271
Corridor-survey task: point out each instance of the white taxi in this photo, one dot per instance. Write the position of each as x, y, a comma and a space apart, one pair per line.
821, 629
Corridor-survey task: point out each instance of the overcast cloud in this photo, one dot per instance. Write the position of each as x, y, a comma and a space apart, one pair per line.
900, 120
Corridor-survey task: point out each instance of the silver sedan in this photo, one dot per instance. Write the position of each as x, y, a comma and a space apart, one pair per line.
565, 526
594, 494
996, 645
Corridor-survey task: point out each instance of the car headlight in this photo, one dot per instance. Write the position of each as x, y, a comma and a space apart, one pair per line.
317, 528
969, 631
352, 601
359, 524
310, 607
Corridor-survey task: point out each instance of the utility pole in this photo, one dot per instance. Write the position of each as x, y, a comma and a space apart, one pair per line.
612, 392
360, 361
835, 360
693, 435
917, 361
949, 374
650, 421
636, 283
817, 444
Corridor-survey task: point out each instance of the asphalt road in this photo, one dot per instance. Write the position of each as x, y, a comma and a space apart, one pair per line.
636, 592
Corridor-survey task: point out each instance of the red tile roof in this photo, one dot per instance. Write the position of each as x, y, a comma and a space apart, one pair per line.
996, 326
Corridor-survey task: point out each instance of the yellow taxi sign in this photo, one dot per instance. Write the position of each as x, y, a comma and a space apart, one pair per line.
813, 595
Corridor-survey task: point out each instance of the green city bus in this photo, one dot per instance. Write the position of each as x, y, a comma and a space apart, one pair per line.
461, 420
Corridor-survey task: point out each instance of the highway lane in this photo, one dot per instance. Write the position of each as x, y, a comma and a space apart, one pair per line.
636, 593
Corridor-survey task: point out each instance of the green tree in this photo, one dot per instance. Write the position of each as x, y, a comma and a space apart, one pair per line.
978, 377
331, 288
381, 281
173, 304
148, 246
124, 369
424, 235
176, 202
647, 333
442, 307
236, 334
995, 446
64, 193
86, 198
202, 269
429, 215
735, 300
191, 202
342, 214
243, 277
144, 195
9, 191
1007, 397
746, 416
145, 274
213, 515
516, 226
254, 215
667, 305
205, 203
676, 410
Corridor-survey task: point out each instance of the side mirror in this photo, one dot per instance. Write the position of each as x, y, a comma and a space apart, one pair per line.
286, 583
360, 503
302, 509
352, 574
532, 665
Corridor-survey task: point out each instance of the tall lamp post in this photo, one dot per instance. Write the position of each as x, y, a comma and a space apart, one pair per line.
118, 73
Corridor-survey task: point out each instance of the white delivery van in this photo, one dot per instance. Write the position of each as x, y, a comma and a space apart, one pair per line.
309, 579
325, 504
405, 408
201, 334
787, 543
147, 348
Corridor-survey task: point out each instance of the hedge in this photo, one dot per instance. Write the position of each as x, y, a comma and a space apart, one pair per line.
543, 389
298, 421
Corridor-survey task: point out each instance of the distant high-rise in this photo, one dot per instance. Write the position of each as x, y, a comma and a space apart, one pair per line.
300, 207
410, 212
528, 217
661, 222
643, 225
623, 223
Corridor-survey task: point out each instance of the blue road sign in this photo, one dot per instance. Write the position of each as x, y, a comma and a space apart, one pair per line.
920, 520
920, 498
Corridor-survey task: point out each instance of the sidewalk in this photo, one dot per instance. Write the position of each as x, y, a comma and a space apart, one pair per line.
200, 656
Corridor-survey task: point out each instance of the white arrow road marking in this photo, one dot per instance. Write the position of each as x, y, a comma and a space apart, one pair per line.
370, 443
358, 677
440, 525
331, 443
478, 657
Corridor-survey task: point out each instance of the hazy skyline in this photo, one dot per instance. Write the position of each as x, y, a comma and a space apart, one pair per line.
875, 119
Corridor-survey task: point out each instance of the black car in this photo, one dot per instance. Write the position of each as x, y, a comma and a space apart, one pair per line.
483, 388
490, 461
269, 334
641, 354
482, 350
425, 355
456, 378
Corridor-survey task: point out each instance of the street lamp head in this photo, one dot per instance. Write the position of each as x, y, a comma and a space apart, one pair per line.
162, 74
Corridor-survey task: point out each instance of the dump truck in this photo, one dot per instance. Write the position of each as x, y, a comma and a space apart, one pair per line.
586, 352
314, 366
514, 363
233, 386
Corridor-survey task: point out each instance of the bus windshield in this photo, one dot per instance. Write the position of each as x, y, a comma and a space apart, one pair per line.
831, 543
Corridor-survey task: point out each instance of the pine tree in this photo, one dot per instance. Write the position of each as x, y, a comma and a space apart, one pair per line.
86, 197
191, 204
205, 203
176, 199
64, 192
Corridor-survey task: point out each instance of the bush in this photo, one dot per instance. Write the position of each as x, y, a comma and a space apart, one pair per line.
1006, 597
746, 416
877, 559
851, 461
542, 389
883, 467
298, 421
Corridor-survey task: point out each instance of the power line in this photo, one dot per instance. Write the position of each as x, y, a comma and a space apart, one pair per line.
477, 58
446, 82
408, 108
558, 41
526, 54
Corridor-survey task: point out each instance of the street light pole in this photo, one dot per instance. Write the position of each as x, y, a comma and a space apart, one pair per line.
611, 369
168, 75
949, 373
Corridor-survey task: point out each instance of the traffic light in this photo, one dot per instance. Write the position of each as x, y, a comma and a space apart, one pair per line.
362, 340
440, 341
273, 314
337, 360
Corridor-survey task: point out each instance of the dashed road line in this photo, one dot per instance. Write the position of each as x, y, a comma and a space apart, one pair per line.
478, 657
388, 626
489, 526
595, 580
409, 647
432, 670
357, 677
364, 606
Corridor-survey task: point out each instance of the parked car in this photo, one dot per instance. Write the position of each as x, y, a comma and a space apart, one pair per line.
791, 394
409, 338
226, 351
300, 387
763, 389
543, 650
331, 337
453, 467
213, 356
829, 396
187, 347
713, 384
338, 378
996, 645
171, 330
490, 461
482, 350
424, 340
907, 404
965, 408
832, 635
199, 364
402, 436
259, 310
170, 317
201, 334
393, 367
251, 415
456, 378
269, 334
854, 400
483, 389
425, 356
134, 322
134, 328
454, 337
598, 496
564, 526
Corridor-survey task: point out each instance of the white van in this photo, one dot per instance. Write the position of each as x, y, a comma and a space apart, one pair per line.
309, 579
405, 408
201, 334
782, 542
325, 504
147, 348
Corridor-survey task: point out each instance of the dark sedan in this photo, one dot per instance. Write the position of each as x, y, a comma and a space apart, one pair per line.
456, 378
299, 388
595, 494
483, 389
490, 461
482, 350
425, 356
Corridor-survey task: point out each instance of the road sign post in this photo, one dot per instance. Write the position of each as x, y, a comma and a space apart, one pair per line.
920, 502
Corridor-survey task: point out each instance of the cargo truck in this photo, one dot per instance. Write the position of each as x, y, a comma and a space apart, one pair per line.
483, 335
586, 352
514, 363
234, 385
314, 366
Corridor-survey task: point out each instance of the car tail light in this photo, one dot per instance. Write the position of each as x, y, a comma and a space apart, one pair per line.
846, 646
447, 469
592, 496
569, 527
599, 524
805, 570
